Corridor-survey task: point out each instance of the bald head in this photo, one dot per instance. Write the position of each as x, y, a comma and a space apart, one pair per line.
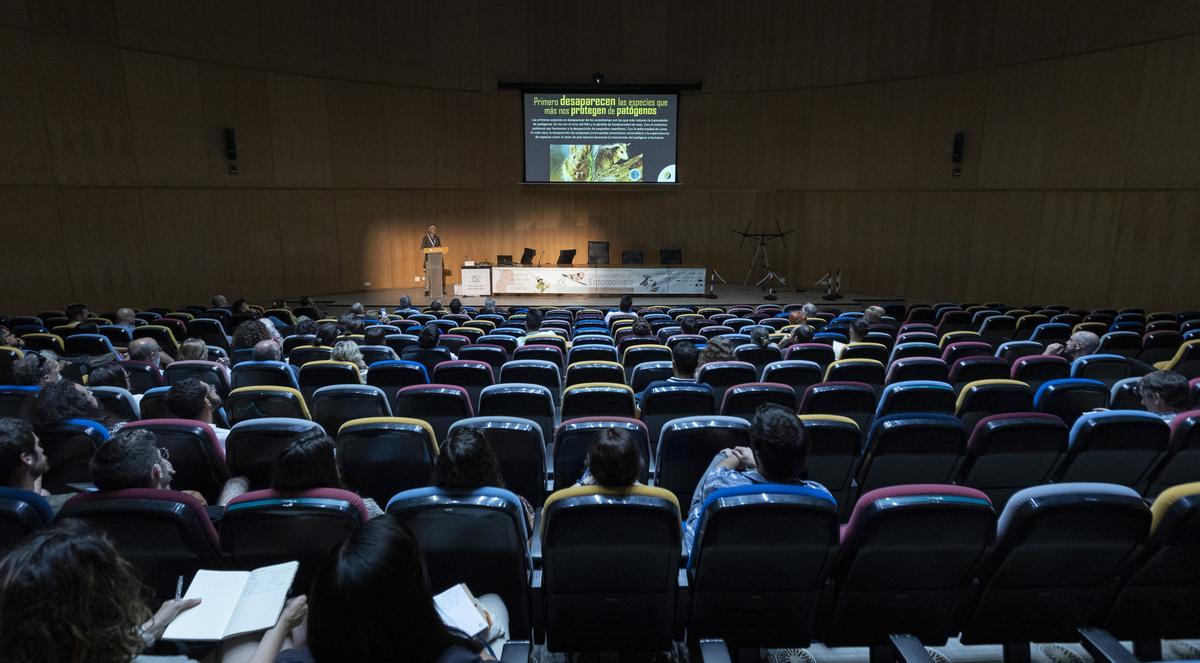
125, 316
143, 349
267, 350
1086, 343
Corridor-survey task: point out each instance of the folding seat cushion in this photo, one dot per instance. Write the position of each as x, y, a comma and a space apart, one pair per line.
867, 371
610, 569
911, 448
393, 375
1115, 446
194, 452
757, 355
592, 352
1058, 549
1051, 332
835, 445
1070, 398
574, 436
916, 368
1011, 451
163, 533
849, 399
263, 373
1186, 361
972, 369
955, 351
687, 446
1160, 590
1036, 370
69, 447
309, 353
818, 353
743, 400
721, 375
1159, 346
334, 405
795, 373
595, 371
1108, 369
779, 542
916, 396
598, 399
479, 538
211, 372
534, 371
22, 512
438, 404
907, 559
245, 403
984, 398
252, 446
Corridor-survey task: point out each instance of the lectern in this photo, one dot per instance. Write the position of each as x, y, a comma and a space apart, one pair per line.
433, 271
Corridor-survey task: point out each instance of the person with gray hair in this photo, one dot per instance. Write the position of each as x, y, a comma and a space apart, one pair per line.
489, 305
348, 351
1081, 343
874, 314
1164, 393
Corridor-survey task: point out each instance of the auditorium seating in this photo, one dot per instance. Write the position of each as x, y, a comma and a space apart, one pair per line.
253, 445
22, 512
194, 451
381, 456
573, 438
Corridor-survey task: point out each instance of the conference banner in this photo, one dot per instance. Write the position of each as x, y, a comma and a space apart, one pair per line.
573, 280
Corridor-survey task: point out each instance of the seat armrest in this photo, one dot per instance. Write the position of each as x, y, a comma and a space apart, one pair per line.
515, 651
908, 649
1103, 647
535, 543
535, 612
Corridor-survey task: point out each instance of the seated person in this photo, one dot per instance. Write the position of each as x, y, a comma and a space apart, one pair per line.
466, 462
374, 586
22, 460
193, 349
533, 328
761, 338
132, 459
778, 453
196, 400
874, 315
375, 336
249, 333
801, 333
1164, 393
270, 350
37, 368
147, 351
1081, 343
423, 351
456, 306
624, 310
66, 594
718, 348
65, 400
348, 351
684, 359
690, 325
111, 375
327, 335
126, 319
858, 333
308, 463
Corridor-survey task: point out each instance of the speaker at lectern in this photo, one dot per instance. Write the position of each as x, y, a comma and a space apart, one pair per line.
433, 271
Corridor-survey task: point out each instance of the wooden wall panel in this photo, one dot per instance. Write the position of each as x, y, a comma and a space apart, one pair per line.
1075, 248
1005, 233
411, 147
1102, 87
228, 31
410, 211
308, 240
782, 127
87, 119
163, 26
841, 47
181, 245
404, 55
33, 285
454, 57
237, 98
503, 37
899, 40
838, 117
891, 133
364, 240
353, 38
247, 225
356, 123
951, 104
833, 225
1020, 122
1165, 148
90, 20
105, 247
167, 116
459, 148
22, 126
940, 245
1155, 255
1029, 30
299, 131
294, 36
14, 12
960, 35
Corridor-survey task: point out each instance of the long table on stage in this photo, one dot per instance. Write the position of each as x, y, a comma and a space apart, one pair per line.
598, 280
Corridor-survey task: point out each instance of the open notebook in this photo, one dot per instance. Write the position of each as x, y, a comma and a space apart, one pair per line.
233, 602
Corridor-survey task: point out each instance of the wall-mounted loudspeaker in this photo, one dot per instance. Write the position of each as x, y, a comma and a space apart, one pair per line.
956, 153
230, 144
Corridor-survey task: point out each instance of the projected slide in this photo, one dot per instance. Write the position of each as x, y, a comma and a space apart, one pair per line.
600, 137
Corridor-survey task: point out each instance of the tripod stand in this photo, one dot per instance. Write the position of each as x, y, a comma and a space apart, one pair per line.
770, 279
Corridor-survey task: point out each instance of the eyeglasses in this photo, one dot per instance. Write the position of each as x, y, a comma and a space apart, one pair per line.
166, 454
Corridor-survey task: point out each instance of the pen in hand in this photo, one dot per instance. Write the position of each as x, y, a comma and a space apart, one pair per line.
179, 588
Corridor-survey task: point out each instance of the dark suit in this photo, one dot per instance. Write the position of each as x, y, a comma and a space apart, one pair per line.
428, 242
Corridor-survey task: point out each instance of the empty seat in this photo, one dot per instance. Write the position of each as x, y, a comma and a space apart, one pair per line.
478, 538
779, 541
911, 448
509, 343
849, 399
914, 349
575, 436
1069, 398
955, 351
744, 399
687, 446
1051, 332
260, 373
69, 447
592, 352
252, 446
470, 375
1037, 370
721, 375
438, 404
1124, 343
334, 405
543, 352
22, 512
595, 371
381, 456
1159, 346
307, 353
610, 569
43, 341
1117, 446
907, 559
985, 398
373, 354
118, 402
835, 444
757, 355
1012, 451
649, 372
916, 396
534, 371
639, 354
163, 533
264, 527
664, 402
917, 368
1109, 369
1011, 351
245, 403
491, 355
520, 450
14, 397
1058, 548
998, 329
1185, 362
194, 451
866, 371
973, 369
818, 353
322, 373
795, 373
598, 399
211, 331
529, 401
88, 344
393, 375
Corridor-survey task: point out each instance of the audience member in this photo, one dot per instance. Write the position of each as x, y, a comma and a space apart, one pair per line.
22, 460
858, 333
761, 337
423, 351
778, 453
801, 333
197, 400
352, 324
327, 335
147, 351
193, 349
309, 463
1164, 393
718, 348
1081, 343
371, 601
132, 459
435, 307
37, 368
76, 313
690, 325
9, 339
684, 359
624, 310
613, 460
66, 594
59, 402
406, 305
375, 335
111, 375
466, 462
489, 306
533, 328
126, 319
220, 301
874, 315
456, 306
348, 351
269, 350
357, 310
642, 329
306, 327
